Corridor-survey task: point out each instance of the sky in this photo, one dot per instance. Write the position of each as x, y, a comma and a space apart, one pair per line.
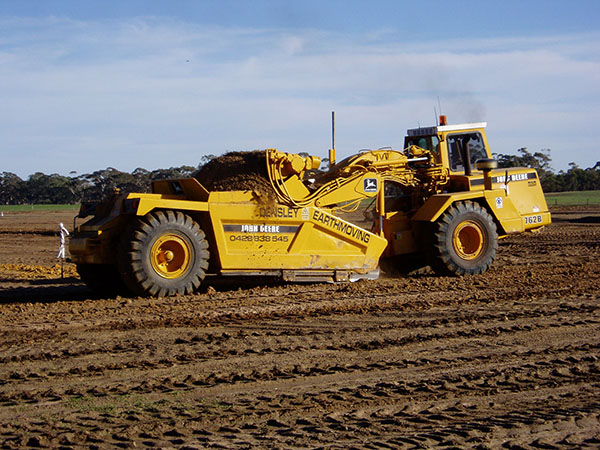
86, 85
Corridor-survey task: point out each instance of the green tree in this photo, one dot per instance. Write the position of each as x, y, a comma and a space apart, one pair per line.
172, 172
12, 189
45, 189
102, 183
540, 161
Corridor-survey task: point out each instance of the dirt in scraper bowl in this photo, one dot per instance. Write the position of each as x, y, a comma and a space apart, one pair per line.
237, 171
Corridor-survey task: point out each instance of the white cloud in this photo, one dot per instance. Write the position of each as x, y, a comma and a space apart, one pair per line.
157, 93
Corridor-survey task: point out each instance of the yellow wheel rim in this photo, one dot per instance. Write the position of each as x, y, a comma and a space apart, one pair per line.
170, 256
468, 240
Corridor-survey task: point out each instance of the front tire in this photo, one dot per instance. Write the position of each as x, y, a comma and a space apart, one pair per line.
165, 253
465, 240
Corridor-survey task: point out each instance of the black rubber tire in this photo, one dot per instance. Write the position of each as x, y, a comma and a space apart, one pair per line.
143, 268
103, 279
465, 240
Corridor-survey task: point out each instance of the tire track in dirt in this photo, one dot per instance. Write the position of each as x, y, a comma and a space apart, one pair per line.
185, 350
448, 373
419, 293
200, 347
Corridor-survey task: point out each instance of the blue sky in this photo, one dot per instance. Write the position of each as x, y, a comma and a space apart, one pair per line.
86, 85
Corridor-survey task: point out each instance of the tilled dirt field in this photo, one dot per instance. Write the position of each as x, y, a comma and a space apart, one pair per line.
508, 359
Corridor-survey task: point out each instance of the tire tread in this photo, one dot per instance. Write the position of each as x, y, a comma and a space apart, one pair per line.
140, 279
444, 261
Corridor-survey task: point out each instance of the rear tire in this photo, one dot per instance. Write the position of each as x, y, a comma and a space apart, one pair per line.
465, 240
164, 253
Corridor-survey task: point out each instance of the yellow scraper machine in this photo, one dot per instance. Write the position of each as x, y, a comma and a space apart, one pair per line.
441, 200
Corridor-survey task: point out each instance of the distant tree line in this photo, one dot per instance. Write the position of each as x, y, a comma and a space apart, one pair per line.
574, 179
40, 188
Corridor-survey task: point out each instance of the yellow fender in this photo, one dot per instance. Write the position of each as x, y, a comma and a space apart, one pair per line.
504, 211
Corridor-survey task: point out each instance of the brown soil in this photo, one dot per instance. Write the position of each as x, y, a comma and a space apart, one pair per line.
237, 171
507, 359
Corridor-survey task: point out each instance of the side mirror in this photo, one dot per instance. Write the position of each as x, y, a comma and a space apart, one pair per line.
486, 164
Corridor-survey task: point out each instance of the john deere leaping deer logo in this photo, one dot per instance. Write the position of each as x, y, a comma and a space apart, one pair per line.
370, 184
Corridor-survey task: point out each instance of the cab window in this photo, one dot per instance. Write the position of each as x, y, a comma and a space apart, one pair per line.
431, 143
458, 145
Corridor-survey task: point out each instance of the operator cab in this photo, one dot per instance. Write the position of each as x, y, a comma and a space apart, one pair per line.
457, 147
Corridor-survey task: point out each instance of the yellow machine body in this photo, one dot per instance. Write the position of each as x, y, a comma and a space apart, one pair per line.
249, 237
253, 237
517, 203
442, 196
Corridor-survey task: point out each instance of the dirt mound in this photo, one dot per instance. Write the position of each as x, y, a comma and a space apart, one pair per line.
237, 171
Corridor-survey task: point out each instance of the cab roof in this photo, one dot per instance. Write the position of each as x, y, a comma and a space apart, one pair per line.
429, 131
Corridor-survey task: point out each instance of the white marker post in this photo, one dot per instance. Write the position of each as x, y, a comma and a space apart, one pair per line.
63, 232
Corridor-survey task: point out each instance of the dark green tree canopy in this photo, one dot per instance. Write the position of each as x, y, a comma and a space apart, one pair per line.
40, 188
